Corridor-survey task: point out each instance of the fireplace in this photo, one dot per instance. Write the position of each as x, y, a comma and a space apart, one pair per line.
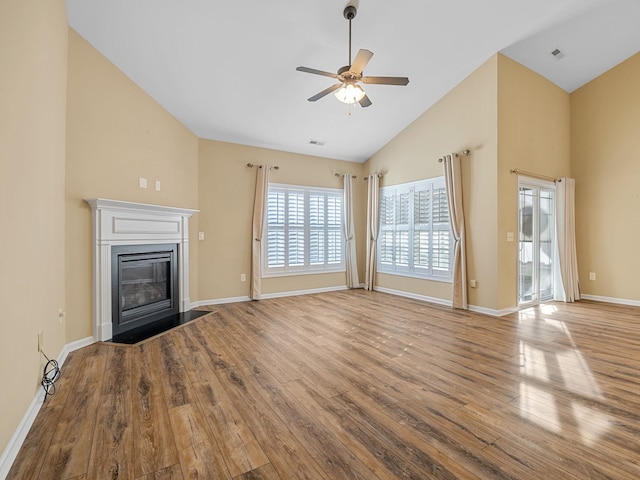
138, 233
144, 284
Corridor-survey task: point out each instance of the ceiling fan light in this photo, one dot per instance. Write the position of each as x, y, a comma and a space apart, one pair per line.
350, 93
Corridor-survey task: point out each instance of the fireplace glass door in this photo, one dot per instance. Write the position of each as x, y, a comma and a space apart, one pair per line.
144, 284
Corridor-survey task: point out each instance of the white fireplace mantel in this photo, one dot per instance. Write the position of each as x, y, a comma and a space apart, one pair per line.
126, 223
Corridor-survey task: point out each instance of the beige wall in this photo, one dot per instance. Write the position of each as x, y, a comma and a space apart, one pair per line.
533, 135
605, 161
466, 118
116, 133
226, 202
509, 117
33, 71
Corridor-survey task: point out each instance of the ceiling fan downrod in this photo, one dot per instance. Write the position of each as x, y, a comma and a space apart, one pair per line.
350, 13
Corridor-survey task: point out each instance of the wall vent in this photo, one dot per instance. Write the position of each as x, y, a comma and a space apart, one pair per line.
557, 53
319, 143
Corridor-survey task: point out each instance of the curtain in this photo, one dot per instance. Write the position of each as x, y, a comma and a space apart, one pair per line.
373, 221
566, 233
453, 185
259, 207
349, 230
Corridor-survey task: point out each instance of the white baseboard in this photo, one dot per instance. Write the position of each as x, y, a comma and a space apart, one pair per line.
70, 347
415, 296
619, 301
492, 312
15, 443
293, 293
219, 301
266, 296
446, 303
13, 447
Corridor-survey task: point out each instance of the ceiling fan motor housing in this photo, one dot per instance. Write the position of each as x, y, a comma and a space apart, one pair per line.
350, 12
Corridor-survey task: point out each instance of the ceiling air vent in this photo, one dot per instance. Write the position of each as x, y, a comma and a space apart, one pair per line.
557, 53
317, 142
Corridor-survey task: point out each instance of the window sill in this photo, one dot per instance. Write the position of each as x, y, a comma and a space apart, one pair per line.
295, 273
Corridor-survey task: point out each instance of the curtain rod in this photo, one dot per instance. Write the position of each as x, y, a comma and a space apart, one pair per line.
251, 165
367, 177
517, 171
341, 174
463, 153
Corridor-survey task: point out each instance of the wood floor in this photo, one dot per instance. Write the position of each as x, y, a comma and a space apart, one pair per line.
352, 385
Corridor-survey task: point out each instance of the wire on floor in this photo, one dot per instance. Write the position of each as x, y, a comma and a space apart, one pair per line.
50, 376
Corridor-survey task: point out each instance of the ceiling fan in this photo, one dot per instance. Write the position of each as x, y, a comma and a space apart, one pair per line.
348, 89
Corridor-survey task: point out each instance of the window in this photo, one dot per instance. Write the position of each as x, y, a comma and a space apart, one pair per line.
304, 230
415, 234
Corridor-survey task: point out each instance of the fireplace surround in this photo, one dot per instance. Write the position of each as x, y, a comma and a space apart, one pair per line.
137, 226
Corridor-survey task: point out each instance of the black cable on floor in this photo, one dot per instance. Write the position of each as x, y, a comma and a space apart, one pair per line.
50, 376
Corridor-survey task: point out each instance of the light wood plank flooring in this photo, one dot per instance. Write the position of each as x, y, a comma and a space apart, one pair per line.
352, 385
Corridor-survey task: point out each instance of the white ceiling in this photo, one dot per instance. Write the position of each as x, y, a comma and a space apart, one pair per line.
226, 69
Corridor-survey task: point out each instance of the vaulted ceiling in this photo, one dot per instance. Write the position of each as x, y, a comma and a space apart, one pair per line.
227, 69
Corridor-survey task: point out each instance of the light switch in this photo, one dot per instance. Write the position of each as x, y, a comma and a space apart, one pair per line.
509, 236
200, 235
142, 182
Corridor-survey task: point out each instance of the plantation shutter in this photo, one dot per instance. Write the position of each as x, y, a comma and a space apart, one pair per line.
402, 229
387, 229
422, 227
304, 230
317, 235
295, 222
334, 229
415, 235
276, 229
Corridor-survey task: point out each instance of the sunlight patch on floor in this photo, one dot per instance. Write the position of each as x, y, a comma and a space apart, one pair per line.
548, 309
548, 360
577, 375
592, 424
532, 362
539, 407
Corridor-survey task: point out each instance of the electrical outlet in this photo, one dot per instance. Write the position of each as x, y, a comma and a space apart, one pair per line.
473, 283
40, 341
243, 277
158, 185
592, 275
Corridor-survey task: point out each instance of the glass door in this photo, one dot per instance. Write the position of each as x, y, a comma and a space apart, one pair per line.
536, 241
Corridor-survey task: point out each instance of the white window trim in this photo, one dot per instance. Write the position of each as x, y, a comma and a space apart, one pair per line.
270, 272
411, 271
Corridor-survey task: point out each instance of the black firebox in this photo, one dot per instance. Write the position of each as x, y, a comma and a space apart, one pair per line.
144, 284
